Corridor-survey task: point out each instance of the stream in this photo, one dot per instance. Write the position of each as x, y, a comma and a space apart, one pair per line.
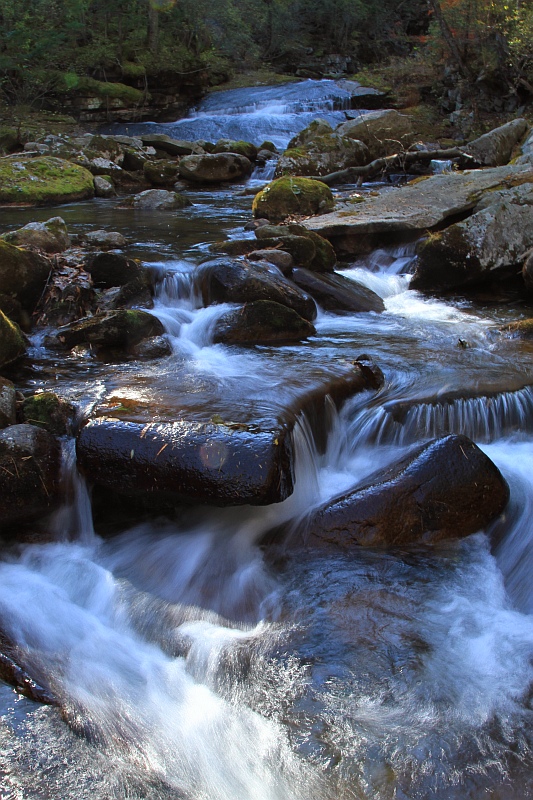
190, 666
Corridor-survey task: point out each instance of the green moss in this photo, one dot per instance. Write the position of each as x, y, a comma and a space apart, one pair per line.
47, 410
238, 146
114, 91
43, 180
287, 196
12, 344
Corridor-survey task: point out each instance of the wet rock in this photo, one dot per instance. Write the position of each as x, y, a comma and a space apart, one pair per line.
495, 148
130, 295
37, 181
323, 155
187, 462
414, 208
50, 236
337, 293
48, 411
12, 673
527, 271
262, 322
523, 328
488, 243
224, 280
160, 200
236, 146
324, 258
8, 399
29, 473
161, 173
155, 347
214, 168
445, 489
120, 329
12, 344
384, 132
105, 240
280, 258
174, 147
288, 196
14, 311
114, 269
23, 274
103, 187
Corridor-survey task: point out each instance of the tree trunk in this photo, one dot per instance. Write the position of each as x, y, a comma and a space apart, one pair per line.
449, 38
153, 28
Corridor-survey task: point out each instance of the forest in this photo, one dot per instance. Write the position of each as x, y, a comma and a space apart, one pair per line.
49, 47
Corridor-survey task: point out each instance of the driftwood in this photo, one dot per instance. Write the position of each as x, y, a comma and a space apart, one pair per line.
396, 161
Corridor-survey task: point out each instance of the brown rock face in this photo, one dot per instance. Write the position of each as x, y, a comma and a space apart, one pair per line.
447, 488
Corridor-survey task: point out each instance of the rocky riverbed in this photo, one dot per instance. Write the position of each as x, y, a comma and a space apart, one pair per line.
265, 459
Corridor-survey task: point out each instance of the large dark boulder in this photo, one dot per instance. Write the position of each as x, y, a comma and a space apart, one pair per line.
29, 473
12, 344
445, 489
262, 322
226, 280
337, 293
114, 269
215, 168
23, 274
187, 462
324, 257
120, 329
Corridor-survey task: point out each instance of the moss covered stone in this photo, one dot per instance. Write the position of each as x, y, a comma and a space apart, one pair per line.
262, 322
23, 274
12, 344
120, 329
163, 172
239, 146
286, 196
523, 328
37, 181
326, 153
48, 411
9, 139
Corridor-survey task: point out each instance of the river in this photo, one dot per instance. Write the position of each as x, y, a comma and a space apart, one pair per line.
190, 666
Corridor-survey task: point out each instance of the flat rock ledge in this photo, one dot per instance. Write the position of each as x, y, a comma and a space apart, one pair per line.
412, 209
215, 463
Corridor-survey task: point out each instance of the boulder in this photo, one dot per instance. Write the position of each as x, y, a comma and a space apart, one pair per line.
114, 269
337, 293
522, 329
324, 154
154, 347
48, 411
231, 281
280, 258
38, 181
323, 259
495, 148
50, 236
489, 242
287, 196
445, 489
174, 147
120, 329
12, 344
23, 274
318, 127
161, 173
187, 462
214, 168
105, 240
384, 132
160, 200
240, 147
103, 187
8, 407
412, 209
262, 322
30, 461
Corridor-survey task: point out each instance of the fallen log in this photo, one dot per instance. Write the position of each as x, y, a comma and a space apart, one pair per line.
395, 161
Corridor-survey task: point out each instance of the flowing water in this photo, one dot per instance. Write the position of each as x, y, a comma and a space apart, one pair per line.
186, 663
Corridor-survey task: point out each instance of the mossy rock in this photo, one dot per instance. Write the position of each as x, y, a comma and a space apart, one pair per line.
9, 139
118, 92
38, 181
318, 127
240, 147
161, 173
323, 258
23, 274
287, 196
50, 236
522, 329
12, 344
324, 154
48, 411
